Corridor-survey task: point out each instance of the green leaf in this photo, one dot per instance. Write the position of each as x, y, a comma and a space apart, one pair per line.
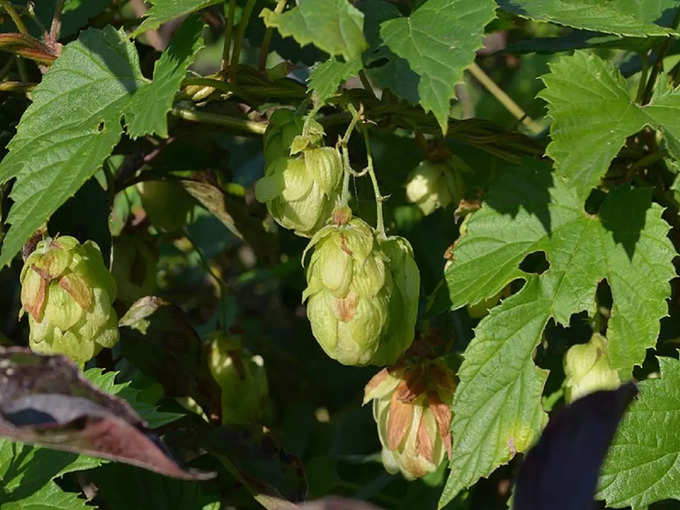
166, 10
335, 26
636, 18
147, 410
593, 115
327, 76
147, 112
643, 462
497, 406
72, 125
49, 497
26, 473
436, 51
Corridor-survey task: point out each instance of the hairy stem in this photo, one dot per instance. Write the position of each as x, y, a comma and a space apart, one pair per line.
504, 99
379, 199
55, 28
264, 49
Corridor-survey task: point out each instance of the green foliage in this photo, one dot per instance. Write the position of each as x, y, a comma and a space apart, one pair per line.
490, 187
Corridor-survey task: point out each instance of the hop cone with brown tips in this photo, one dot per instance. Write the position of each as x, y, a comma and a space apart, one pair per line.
68, 294
411, 405
362, 292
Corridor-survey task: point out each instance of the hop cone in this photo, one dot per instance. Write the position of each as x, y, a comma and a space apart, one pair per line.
242, 379
586, 367
411, 409
302, 183
68, 292
362, 292
432, 185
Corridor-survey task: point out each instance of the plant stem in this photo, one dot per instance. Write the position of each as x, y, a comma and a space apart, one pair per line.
7, 6
504, 99
241, 125
380, 225
264, 48
55, 27
268, 92
343, 142
229, 29
245, 18
643, 77
16, 86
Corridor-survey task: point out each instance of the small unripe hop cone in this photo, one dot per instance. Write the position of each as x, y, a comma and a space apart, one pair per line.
68, 294
411, 409
432, 185
362, 292
587, 369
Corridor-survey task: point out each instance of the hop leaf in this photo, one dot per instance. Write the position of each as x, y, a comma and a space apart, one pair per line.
68, 294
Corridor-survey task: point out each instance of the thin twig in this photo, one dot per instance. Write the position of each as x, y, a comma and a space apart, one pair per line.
504, 99
242, 125
16, 86
243, 24
55, 27
264, 48
7, 6
229, 29
379, 199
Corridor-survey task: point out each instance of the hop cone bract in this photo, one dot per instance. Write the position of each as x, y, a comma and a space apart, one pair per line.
411, 406
586, 367
68, 294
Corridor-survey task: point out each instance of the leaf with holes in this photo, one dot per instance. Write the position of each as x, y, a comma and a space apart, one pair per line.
436, 50
637, 18
497, 407
72, 125
335, 26
642, 464
593, 115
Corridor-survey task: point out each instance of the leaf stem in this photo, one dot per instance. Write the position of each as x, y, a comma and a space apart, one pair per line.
266, 41
379, 199
243, 24
16, 86
241, 125
7, 6
229, 29
504, 98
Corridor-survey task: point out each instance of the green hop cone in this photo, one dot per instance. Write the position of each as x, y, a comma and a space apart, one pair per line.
362, 292
166, 203
68, 294
433, 185
300, 188
411, 406
586, 367
242, 379
284, 126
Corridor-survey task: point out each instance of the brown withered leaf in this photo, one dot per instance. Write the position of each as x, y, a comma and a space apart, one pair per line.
443, 416
424, 445
399, 421
46, 401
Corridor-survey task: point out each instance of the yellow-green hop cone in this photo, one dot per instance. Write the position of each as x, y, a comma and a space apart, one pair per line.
433, 185
68, 294
300, 189
586, 367
411, 406
362, 293
242, 379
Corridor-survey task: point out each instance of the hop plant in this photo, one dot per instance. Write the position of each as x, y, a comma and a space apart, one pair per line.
242, 379
586, 367
411, 409
300, 187
166, 204
134, 267
433, 185
362, 292
68, 294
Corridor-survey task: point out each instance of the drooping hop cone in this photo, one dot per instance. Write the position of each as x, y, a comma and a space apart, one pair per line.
242, 379
301, 184
432, 185
68, 294
411, 409
362, 293
587, 369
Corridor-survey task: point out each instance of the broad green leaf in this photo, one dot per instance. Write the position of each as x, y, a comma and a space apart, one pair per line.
327, 76
497, 407
26, 472
335, 26
593, 115
72, 125
148, 111
643, 462
439, 40
162, 11
147, 410
49, 497
636, 18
